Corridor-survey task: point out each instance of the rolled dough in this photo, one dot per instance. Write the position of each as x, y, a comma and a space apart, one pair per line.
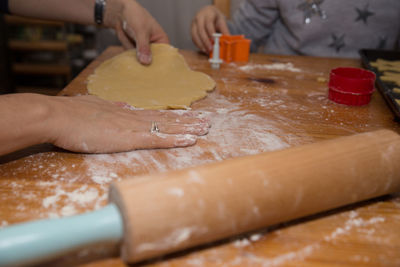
390, 69
167, 82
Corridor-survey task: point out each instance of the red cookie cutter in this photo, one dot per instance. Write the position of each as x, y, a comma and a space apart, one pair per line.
351, 86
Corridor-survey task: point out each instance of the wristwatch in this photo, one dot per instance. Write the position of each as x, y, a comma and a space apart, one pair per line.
99, 8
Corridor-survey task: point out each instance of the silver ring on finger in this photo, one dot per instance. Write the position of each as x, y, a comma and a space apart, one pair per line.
154, 127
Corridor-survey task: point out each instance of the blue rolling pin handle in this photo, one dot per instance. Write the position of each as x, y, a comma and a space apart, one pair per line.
35, 242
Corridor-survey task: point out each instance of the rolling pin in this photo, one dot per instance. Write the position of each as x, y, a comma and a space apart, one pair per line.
163, 213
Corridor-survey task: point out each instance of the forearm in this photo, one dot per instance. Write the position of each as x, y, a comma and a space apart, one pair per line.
23, 121
76, 11
134, 26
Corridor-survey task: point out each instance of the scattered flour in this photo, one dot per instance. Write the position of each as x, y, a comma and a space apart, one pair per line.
244, 242
274, 66
178, 192
173, 239
195, 262
249, 257
354, 222
255, 237
232, 127
71, 188
81, 197
284, 258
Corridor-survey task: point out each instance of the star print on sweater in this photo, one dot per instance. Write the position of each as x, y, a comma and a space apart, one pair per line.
364, 14
337, 42
298, 27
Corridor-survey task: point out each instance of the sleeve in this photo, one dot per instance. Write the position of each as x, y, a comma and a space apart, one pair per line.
4, 6
254, 19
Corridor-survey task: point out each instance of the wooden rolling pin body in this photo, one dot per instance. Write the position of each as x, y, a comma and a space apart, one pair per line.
168, 212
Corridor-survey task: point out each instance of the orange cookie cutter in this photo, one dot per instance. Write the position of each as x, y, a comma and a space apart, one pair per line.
233, 48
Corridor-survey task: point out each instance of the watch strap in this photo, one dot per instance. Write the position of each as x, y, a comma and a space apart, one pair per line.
99, 8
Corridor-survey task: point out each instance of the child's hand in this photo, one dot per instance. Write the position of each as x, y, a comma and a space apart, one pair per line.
206, 22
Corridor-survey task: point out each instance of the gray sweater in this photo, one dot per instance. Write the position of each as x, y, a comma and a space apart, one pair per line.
329, 28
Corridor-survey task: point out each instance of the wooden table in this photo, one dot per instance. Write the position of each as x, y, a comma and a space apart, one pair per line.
273, 102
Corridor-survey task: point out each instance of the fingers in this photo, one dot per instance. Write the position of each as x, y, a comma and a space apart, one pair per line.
143, 52
168, 141
164, 116
193, 129
158, 34
168, 123
210, 30
118, 140
196, 38
178, 116
221, 25
160, 38
93, 125
203, 35
135, 27
157, 140
123, 38
199, 33
207, 21
181, 116
169, 127
128, 141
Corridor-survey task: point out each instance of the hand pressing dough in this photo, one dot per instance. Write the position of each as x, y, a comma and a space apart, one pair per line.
166, 83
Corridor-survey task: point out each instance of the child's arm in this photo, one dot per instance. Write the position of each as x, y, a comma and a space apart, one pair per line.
254, 19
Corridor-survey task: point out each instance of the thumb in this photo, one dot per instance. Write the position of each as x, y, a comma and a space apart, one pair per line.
141, 38
143, 51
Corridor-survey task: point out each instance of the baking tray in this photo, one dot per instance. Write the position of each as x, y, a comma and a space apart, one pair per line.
385, 88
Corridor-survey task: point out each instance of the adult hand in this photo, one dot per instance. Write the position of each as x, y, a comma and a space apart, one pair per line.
92, 125
206, 22
134, 26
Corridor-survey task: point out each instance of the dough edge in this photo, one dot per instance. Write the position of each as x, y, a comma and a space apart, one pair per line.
207, 84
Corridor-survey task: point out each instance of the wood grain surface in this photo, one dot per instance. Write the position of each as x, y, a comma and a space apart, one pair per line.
272, 102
